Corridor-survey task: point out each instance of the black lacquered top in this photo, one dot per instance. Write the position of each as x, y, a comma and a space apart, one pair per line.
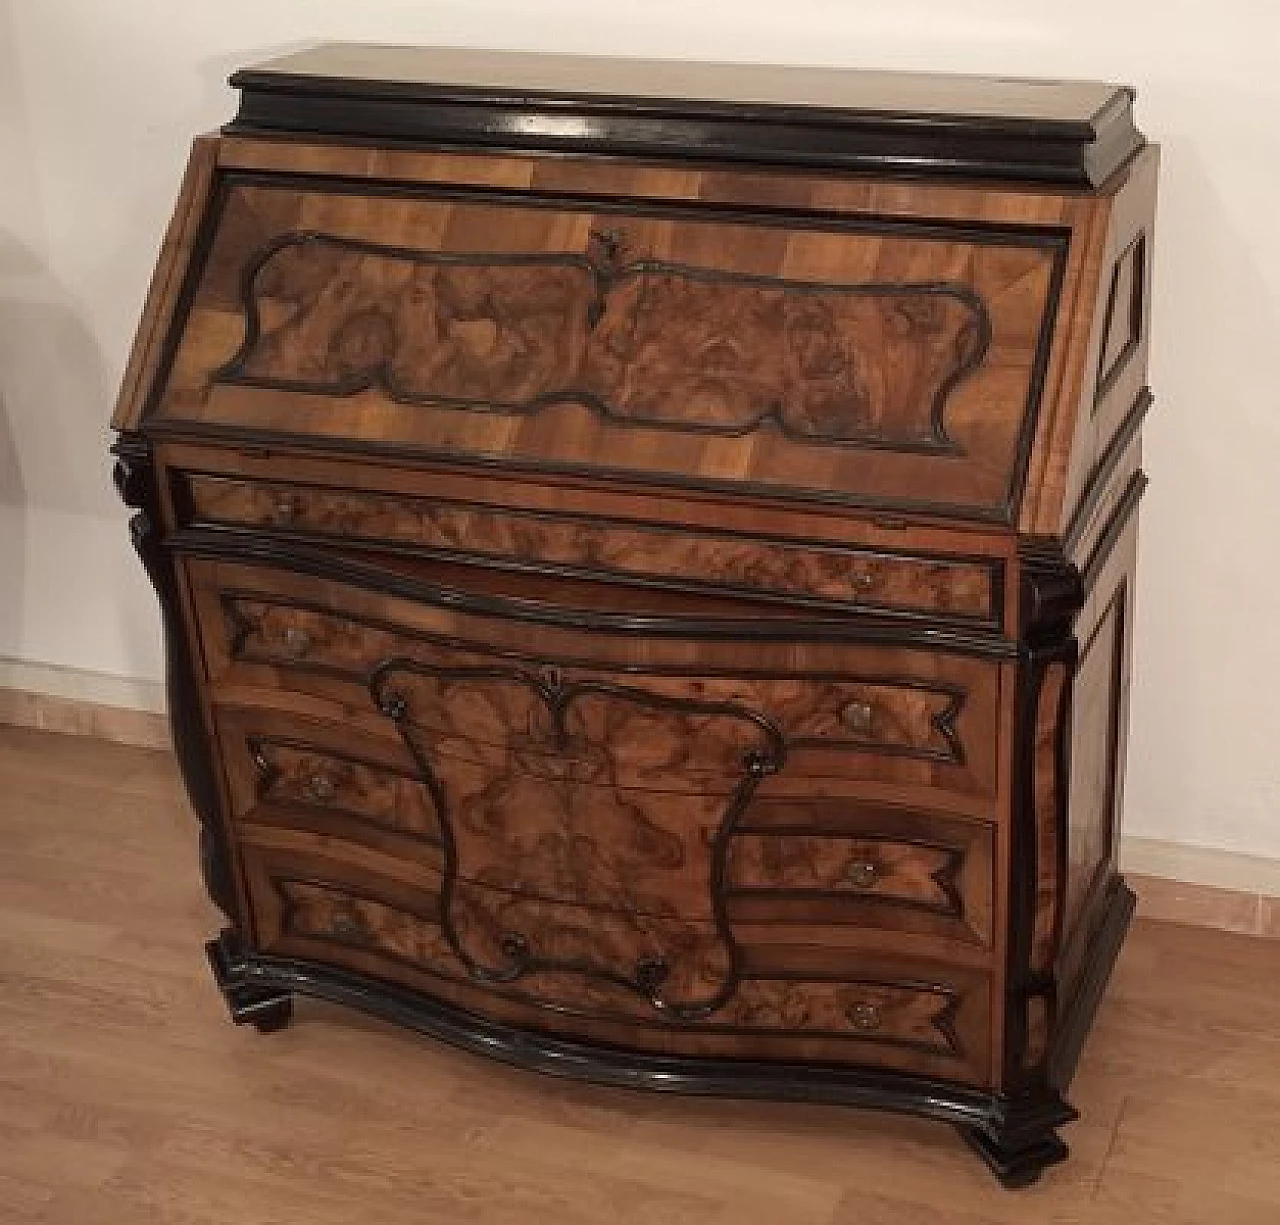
1069, 132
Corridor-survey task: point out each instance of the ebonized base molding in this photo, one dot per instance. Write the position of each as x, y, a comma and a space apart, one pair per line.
251, 998
1017, 1138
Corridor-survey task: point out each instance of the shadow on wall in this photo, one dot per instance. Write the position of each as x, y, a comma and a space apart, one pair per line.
52, 377
14, 261
13, 555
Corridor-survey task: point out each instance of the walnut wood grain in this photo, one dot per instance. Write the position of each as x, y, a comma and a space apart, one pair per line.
846, 861
309, 903
880, 868
842, 710
875, 580
176, 250
1048, 785
1097, 709
876, 365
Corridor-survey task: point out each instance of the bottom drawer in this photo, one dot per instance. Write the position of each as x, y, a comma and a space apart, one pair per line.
653, 983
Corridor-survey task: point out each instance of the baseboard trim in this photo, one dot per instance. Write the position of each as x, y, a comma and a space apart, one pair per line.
76, 702
82, 685
1200, 865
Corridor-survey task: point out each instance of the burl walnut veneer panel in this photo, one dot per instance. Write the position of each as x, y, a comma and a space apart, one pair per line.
646, 558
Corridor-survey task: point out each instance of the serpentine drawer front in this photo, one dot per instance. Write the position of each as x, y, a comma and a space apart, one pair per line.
829, 576
645, 556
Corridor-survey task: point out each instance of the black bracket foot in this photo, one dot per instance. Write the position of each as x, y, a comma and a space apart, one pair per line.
1017, 1165
1022, 1141
251, 1002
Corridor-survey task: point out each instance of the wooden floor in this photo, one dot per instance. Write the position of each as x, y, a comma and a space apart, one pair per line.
127, 1097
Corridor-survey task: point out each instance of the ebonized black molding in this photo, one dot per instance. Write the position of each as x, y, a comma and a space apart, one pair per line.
136, 481
1102, 472
254, 549
1078, 150
1015, 1135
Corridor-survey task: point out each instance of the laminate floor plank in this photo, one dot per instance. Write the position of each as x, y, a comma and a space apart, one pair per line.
127, 1097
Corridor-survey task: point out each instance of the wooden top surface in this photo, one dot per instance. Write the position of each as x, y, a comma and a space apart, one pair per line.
1059, 106
917, 124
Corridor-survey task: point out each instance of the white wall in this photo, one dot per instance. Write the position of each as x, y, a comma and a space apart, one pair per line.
98, 102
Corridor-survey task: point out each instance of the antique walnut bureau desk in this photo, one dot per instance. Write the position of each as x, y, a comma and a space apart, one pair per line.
646, 554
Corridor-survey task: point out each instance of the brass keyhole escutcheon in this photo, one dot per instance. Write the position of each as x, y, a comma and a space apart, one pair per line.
862, 874
297, 642
858, 717
864, 1017
346, 925
321, 789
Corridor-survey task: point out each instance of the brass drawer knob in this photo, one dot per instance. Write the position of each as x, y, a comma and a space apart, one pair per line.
862, 874
283, 511
297, 642
864, 1017
321, 789
346, 925
857, 717
863, 582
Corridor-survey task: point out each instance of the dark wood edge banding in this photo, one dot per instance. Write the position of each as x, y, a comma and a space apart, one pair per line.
1116, 524
606, 275
1136, 312
1101, 473
250, 549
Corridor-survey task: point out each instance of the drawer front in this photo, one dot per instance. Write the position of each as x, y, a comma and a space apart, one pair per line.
819, 357
310, 775
631, 709
492, 821
487, 818
878, 581
829, 861
666, 977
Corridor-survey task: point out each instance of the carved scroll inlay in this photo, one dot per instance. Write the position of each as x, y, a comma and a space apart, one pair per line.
904, 717
689, 959
639, 342
594, 843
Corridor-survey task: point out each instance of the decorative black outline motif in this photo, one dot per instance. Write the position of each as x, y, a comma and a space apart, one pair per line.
1136, 310
546, 683
269, 773
359, 937
945, 875
1054, 239
241, 627
607, 271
